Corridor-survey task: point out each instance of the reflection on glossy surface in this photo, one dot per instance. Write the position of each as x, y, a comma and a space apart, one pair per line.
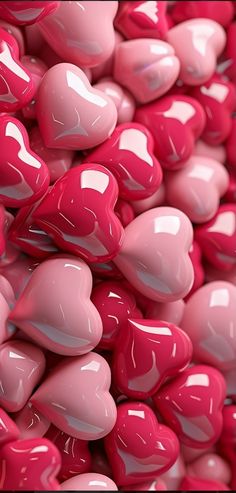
78, 212
76, 398
26, 364
24, 176
49, 313
154, 255
29, 465
175, 123
142, 19
8, 430
211, 467
217, 238
192, 405
204, 41
195, 255
128, 154
30, 422
170, 312
167, 350
89, 482
37, 69
24, 13
123, 100
139, 448
212, 329
217, 11
204, 182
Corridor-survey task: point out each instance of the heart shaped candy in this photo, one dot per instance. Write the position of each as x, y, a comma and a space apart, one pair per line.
128, 154
76, 398
78, 212
138, 447
89, 482
197, 188
24, 176
212, 327
71, 114
175, 123
204, 41
63, 321
139, 19
147, 67
16, 83
154, 254
221, 12
146, 353
192, 405
25, 13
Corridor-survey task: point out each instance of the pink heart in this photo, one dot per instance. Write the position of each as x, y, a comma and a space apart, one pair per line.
154, 254
49, 314
142, 19
204, 41
147, 67
85, 116
89, 482
76, 398
211, 467
196, 189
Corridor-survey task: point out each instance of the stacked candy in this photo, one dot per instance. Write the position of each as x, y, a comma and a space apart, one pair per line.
117, 245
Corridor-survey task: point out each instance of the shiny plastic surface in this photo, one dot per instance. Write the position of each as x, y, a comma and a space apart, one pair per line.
139, 19
25, 13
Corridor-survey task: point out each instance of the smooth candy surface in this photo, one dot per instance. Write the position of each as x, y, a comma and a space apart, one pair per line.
221, 12
196, 484
78, 213
25, 13
230, 145
8, 429
123, 100
89, 482
195, 255
30, 423
76, 398
139, 447
128, 154
192, 405
55, 307
210, 467
154, 254
139, 19
170, 312
37, 69
227, 441
71, 114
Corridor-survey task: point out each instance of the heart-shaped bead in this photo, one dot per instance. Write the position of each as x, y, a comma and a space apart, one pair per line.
227, 442
142, 19
230, 145
123, 100
128, 154
146, 353
147, 67
8, 429
198, 484
78, 212
197, 188
75, 397
170, 312
16, 83
195, 255
217, 238
25, 363
49, 314
115, 304
71, 114
217, 152
218, 98
221, 12
210, 467
154, 254
212, 329
24, 176
89, 482
175, 123
75, 454
192, 404
30, 422
81, 32
204, 40
25, 13
138, 447
29, 465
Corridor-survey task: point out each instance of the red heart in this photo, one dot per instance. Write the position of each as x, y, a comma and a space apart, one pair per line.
138, 447
167, 350
25, 13
142, 19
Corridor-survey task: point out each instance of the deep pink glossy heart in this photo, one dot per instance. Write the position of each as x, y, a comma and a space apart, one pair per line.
139, 19
24, 13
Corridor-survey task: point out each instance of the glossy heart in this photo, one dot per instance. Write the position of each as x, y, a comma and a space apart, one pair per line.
204, 40
221, 12
196, 484
75, 397
49, 313
192, 404
197, 188
24, 176
154, 254
227, 443
105, 69
30, 422
16, 83
25, 13
210, 467
175, 123
123, 100
115, 305
16, 32
217, 237
29, 465
138, 447
71, 114
212, 328
128, 154
147, 67
75, 455
167, 350
218, 98
26, 364
142, 19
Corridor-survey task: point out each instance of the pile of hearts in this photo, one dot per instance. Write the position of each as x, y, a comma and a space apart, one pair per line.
117, 245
